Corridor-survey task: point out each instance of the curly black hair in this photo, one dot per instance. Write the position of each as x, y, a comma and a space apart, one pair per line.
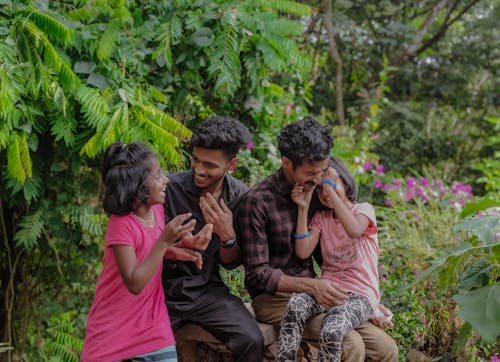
305, 141
221, 133
125, 170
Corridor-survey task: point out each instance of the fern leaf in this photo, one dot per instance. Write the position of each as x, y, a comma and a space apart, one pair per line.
29, 230
166, 122
289, 7
52, 27
225, 64
93, 105
50, 55
18, 160
92, 147
63, 128
68, 78
109, 40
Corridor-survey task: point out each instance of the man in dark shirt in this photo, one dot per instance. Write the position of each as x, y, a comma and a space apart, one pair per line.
267, 221
212, 196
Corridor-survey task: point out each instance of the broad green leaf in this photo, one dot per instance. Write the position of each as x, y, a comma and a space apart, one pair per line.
473, 207
203, 37
481, 308
476, 276
485, 227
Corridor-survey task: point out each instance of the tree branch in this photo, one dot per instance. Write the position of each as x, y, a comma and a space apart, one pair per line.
446, 24
334, 54
410, 51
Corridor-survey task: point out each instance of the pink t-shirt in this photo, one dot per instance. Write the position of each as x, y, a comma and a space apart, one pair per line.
120, 324
350, 262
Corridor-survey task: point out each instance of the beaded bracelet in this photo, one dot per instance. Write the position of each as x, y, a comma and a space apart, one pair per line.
329, 182
303, 236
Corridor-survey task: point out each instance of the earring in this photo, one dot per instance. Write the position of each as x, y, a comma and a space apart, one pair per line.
230, 171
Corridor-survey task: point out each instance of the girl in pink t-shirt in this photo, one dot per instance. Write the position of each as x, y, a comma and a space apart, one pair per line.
128, 317
347, 232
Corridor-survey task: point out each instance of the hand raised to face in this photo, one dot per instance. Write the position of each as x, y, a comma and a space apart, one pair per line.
219, 215
300, 196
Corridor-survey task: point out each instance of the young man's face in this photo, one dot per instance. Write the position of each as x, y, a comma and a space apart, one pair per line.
209, 167
308, 174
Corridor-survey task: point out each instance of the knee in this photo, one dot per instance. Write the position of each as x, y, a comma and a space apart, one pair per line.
387, 351
248, 346
353, 347
330, 336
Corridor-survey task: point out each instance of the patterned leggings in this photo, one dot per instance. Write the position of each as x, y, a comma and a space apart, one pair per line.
338, 321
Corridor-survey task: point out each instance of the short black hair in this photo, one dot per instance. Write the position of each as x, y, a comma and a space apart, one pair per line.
221, 133
305, 141
351, 188
125, 170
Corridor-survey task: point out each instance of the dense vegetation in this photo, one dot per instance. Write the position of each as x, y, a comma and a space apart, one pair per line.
411, 90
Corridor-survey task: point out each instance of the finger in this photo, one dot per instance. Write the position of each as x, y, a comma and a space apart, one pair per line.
212, 202
208, 210
224, 207
179, 219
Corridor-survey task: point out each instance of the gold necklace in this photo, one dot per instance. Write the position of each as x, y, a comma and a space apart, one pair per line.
149, 221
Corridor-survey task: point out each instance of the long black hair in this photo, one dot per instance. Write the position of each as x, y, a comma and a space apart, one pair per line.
125, 170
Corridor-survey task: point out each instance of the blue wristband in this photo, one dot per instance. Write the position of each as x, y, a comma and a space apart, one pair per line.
303, 236
329, 182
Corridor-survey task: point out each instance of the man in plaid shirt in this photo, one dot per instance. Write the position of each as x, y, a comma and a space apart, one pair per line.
267, 221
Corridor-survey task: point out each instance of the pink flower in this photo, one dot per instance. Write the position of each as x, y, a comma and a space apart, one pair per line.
377, 183
367, 165
410, 181
409, 194
494, 358
397, 184
249, 146
423, 181
376, 136
379, 169
388, 203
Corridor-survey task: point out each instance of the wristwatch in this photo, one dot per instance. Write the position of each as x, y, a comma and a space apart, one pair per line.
227, 244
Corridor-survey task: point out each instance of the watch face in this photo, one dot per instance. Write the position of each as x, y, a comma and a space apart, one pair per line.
228, 243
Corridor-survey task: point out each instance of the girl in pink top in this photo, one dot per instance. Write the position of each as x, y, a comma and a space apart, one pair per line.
347, 232
128, 317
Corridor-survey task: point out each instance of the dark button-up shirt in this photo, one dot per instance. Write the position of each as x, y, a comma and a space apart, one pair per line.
267, 219
182, 281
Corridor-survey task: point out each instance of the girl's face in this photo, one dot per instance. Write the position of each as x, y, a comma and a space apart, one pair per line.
157, 183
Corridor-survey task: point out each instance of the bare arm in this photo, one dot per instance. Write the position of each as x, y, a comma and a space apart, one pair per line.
324, 291
136, 276
304, 245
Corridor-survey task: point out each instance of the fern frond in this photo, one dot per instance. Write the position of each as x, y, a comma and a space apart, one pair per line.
272, 54
164, 142
52, 27
68, 78
93, 105
167, 122
289, 7
176, 29
225, 64
63, 128
92, 147
50, 55
18, 160
285, 27
164, 37
109, 40
29, 230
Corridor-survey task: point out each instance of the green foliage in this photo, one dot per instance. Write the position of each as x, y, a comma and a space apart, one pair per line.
59, 341
472, 269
